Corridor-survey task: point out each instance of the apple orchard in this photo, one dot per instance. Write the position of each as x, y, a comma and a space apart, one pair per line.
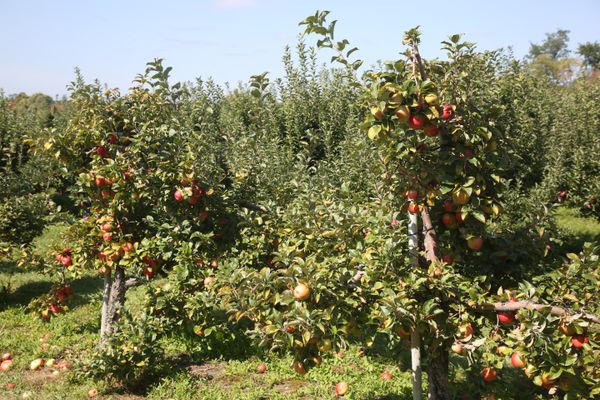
403, 231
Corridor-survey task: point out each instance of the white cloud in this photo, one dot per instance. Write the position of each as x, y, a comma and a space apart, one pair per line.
233, 4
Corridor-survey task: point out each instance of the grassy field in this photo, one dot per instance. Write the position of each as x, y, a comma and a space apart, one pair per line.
70, 337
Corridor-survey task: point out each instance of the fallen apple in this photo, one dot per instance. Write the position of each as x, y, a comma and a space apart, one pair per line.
262, 367
36, 364
341, 388
5, 365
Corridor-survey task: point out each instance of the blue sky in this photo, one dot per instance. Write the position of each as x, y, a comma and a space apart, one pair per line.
111, 40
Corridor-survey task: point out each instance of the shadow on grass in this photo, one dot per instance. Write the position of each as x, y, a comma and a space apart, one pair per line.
18, 287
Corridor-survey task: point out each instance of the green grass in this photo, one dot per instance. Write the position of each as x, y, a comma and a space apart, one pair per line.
576, 230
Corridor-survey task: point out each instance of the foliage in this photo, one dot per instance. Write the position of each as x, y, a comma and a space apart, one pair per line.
22, 218
590, 51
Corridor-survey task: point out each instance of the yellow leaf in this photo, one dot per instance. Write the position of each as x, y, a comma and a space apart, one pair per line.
374, 132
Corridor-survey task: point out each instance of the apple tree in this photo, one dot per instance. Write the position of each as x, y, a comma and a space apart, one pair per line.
441, 144
148, 185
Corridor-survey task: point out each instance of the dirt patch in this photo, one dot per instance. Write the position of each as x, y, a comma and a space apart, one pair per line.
290, 386
37, 379
124, 397
208, 371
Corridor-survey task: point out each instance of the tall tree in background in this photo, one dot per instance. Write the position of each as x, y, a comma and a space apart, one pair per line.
551, 57
590, 53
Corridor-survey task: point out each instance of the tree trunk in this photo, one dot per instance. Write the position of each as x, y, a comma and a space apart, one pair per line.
415, 361
415, 337
437, 374
113, 300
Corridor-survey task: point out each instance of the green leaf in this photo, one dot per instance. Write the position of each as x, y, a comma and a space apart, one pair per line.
374, 132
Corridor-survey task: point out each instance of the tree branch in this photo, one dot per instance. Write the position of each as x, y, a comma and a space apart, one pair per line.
430, 237
529, 305
132, 282
253, 206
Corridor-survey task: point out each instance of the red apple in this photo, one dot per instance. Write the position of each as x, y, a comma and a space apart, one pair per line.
448, 206
6, 365
92, 393
457, 348
449, 219
475, 243
414, 208
506, 317
386, 376
458, 217
447, 112
107, 194
517, 361
447, 259
127, 247
61, 295
6, 356
341, 388
113, 139
149, 272
262, 367
106, 227
489, 374
412, 194
66, 261
431, 130
578, 341
55, 308
100, 181
299, 368
101, 151
107, 236
150, 261
178, 195
10, 386
416, 121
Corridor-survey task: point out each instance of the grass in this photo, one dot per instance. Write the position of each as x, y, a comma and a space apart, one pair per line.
576, 230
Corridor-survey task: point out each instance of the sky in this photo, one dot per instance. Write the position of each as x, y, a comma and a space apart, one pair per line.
230, 40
